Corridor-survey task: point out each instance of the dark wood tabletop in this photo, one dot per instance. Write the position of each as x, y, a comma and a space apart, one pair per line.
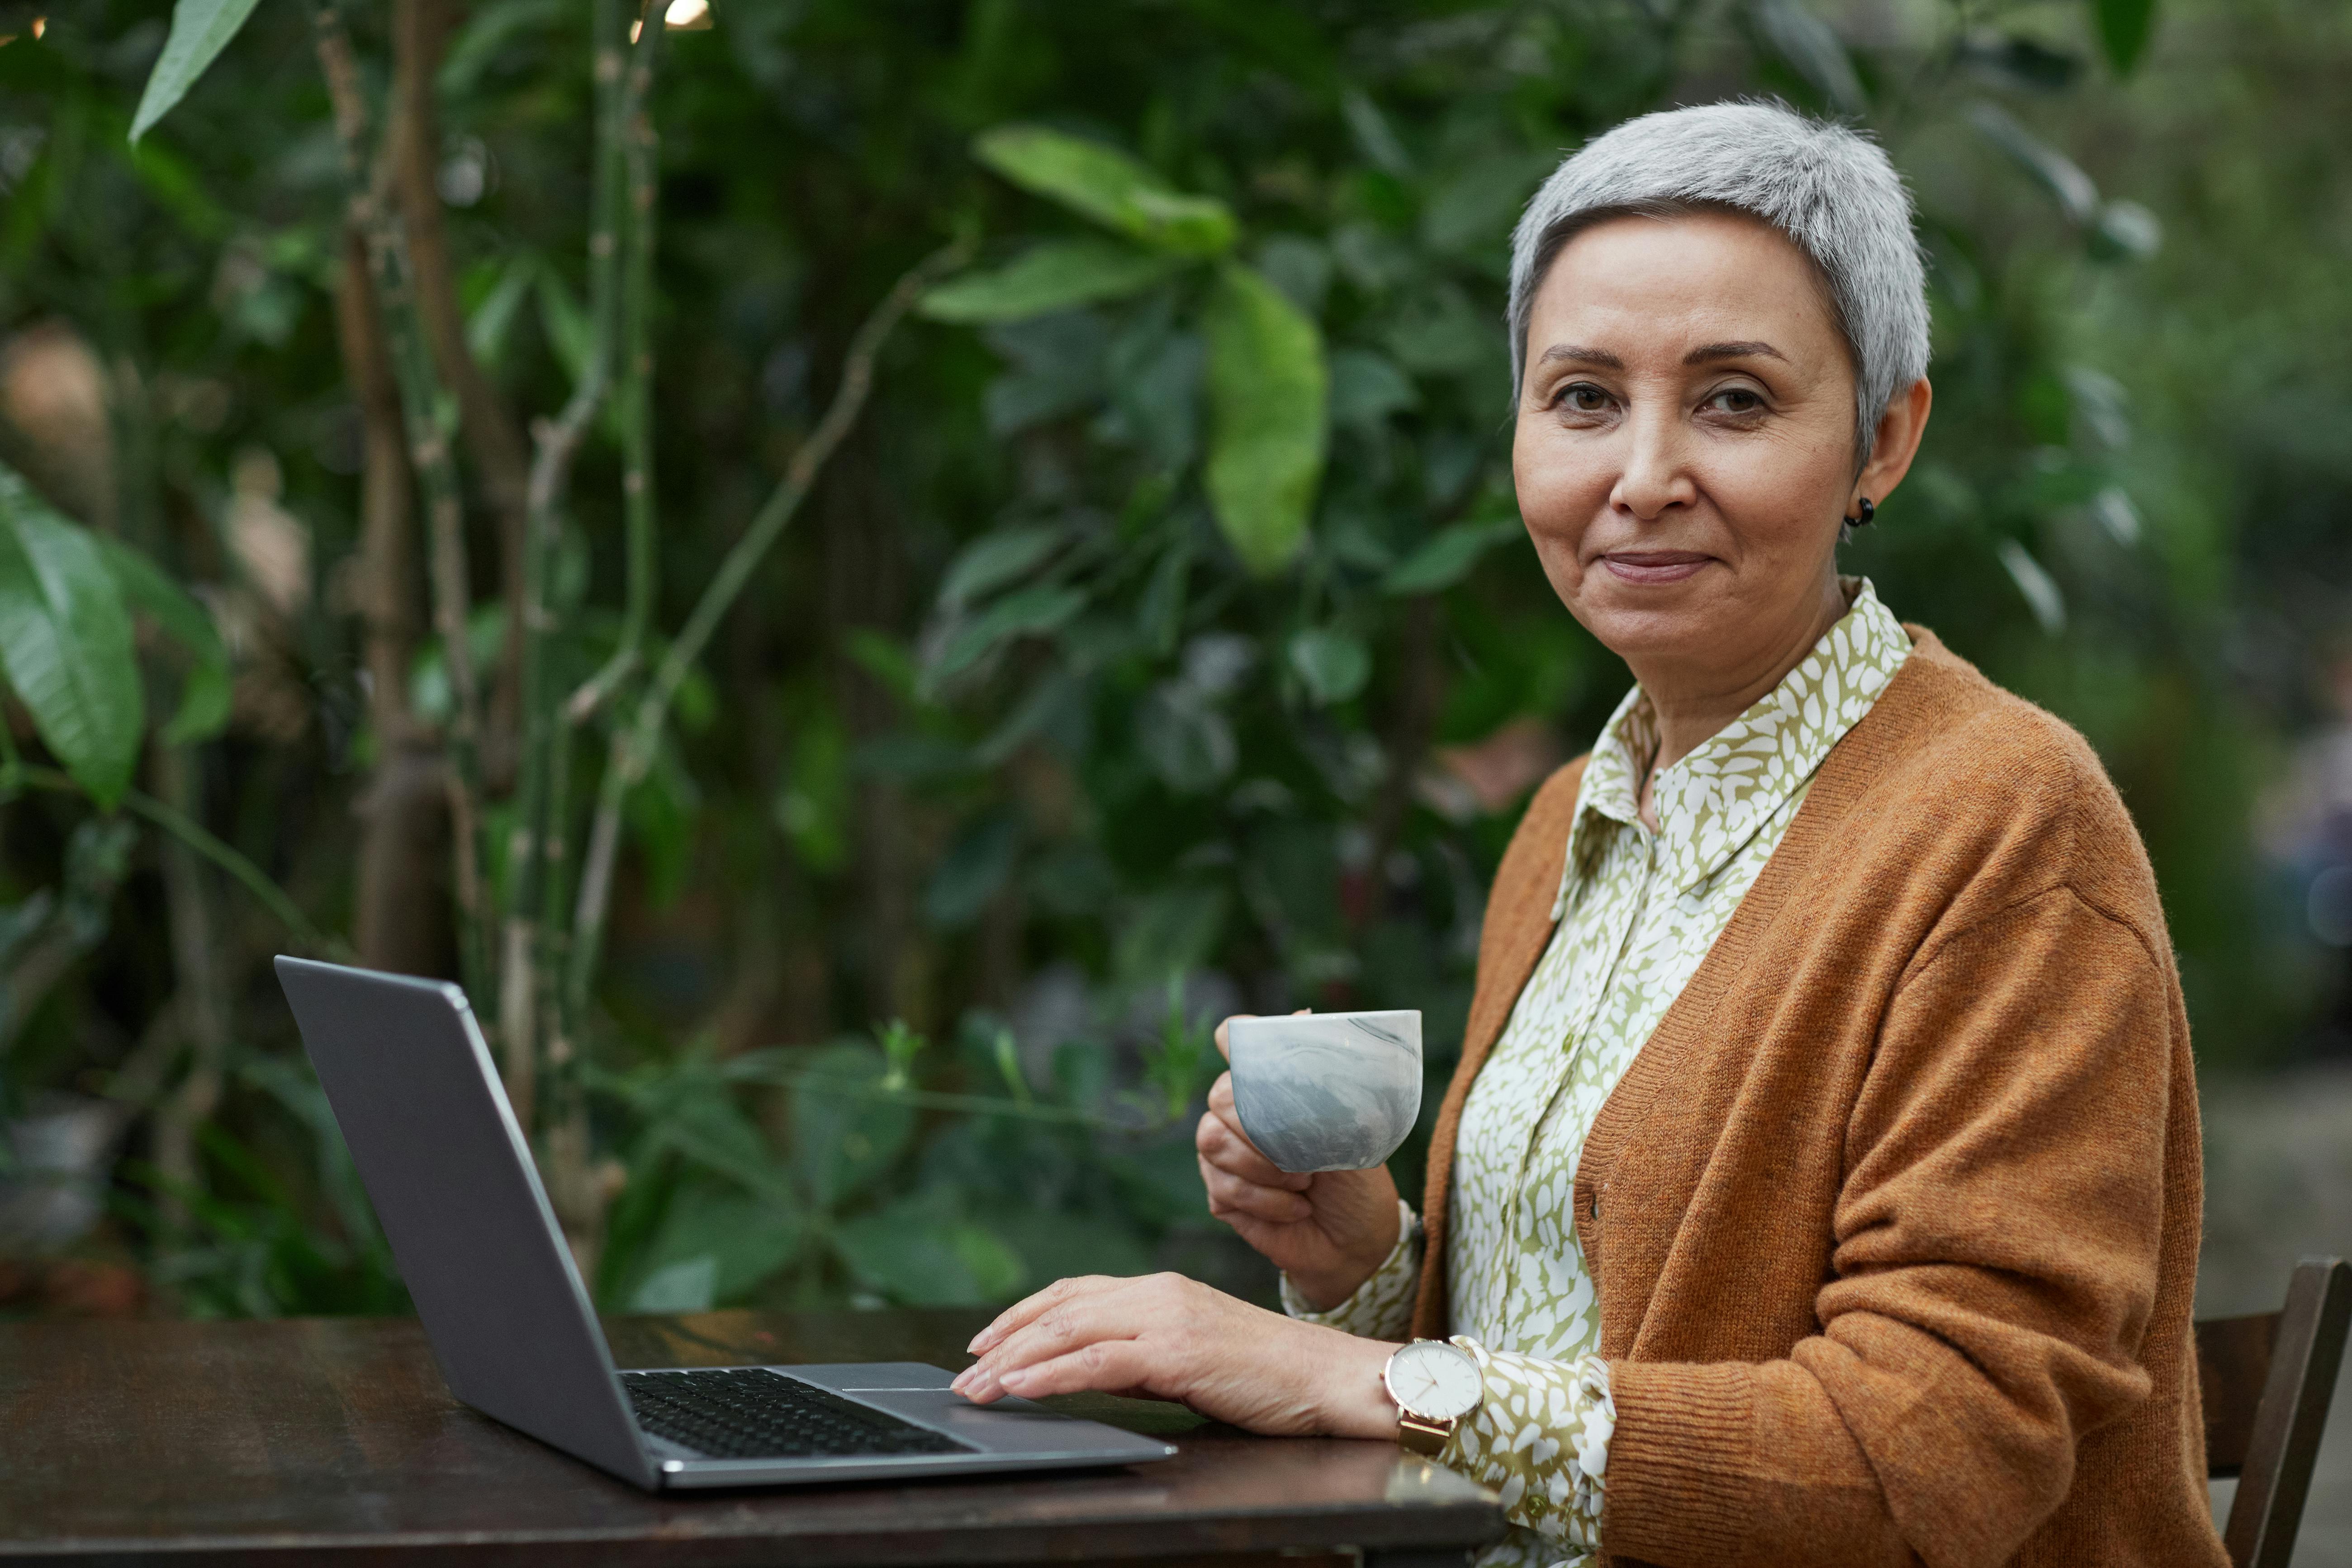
333, 1440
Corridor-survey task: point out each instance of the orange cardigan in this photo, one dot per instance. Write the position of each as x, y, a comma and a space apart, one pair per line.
1895, 1218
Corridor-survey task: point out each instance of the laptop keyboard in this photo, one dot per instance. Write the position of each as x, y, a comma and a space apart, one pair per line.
751, 1413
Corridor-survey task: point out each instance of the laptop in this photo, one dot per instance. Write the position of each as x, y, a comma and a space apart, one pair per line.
406, 1070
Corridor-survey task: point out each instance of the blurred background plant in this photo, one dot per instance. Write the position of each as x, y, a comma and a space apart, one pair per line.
1156, 640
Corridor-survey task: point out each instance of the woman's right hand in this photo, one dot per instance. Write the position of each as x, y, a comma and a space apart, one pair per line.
1328, 1231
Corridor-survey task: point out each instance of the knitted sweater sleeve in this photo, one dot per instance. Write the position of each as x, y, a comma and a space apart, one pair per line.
1995, 1258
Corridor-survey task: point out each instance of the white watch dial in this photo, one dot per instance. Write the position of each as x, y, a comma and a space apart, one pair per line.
1436, 1381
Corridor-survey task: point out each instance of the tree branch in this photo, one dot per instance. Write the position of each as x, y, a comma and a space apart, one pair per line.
192, 833
536, 851
633, 747
420, 32
641, 144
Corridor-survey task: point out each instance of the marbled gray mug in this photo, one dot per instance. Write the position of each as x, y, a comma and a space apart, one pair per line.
1326, 1091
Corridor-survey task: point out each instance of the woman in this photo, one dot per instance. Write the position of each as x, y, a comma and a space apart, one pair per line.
1819, 1182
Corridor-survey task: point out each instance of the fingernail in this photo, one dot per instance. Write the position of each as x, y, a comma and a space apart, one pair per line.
1014, 1382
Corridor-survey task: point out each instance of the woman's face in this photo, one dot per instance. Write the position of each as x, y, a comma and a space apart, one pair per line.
1684, 445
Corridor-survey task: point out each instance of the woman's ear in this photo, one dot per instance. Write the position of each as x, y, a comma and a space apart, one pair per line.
1899, 430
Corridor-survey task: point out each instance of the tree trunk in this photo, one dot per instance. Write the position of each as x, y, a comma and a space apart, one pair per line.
401, 920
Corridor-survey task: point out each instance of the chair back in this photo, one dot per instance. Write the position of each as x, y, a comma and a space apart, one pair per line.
2267, 1380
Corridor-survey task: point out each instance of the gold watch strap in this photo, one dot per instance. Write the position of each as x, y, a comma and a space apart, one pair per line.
1421, 1435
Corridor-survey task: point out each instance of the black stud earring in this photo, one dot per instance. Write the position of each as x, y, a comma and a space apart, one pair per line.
1867, 512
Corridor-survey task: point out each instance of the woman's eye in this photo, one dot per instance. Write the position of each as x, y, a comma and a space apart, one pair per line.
1583, 397
1737, 400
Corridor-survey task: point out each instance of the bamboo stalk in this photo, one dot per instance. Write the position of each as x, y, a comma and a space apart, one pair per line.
491, 439
535, 851
641, 145
202, 995
633, 747
426, 414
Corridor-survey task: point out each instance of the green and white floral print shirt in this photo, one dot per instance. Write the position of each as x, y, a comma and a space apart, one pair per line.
1637, 912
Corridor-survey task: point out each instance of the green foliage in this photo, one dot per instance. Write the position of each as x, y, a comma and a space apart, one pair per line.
1053, 275
2125, 27
65, 643
1104, 183
204, 709
201, 29
1268, 390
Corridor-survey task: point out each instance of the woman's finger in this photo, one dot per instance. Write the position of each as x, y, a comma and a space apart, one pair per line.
1226, 1046
1218, 1143
1229, 1196
1108, 1365
1026, 1310
1222, 1107
1076, 1321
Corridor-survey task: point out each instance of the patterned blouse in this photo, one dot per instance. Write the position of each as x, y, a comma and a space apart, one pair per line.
1636, 913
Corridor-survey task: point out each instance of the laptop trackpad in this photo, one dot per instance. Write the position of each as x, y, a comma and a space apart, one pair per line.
1009, 1426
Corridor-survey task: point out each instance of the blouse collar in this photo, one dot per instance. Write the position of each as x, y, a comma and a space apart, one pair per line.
1712, 802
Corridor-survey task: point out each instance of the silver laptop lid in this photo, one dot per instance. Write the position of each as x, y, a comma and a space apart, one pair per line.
409, 1077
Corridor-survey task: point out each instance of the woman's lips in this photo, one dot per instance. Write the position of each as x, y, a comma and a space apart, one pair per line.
1653, 566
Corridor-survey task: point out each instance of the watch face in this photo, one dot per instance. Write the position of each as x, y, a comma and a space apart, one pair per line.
1431, 1378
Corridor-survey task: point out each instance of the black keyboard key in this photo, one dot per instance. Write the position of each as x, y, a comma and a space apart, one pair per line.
751, 1413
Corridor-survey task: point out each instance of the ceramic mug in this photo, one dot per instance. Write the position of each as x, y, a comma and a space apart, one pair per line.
1326, 1091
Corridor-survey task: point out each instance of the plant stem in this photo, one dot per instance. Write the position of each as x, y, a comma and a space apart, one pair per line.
535, 854
491, 438
202, 995
179, 825
633, 746
427, 414
642, 145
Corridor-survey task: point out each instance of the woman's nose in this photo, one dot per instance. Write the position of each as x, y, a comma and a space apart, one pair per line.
1656, 475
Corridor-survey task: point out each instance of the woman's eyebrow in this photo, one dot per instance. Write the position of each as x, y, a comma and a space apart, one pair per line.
1579, 354
1707, 353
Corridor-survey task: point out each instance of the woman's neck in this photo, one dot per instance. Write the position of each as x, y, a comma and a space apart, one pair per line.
1690, 703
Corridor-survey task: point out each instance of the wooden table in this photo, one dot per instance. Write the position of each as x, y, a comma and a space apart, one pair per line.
333, 1441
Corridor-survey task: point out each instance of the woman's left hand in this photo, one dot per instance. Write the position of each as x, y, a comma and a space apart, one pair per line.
1163, 1336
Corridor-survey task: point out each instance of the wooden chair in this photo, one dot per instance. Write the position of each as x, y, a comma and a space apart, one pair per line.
2267, 1380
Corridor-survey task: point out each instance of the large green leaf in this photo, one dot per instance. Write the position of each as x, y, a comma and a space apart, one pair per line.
843, 1135
66, 642
201, 29
1059, 275
1033, 611
2125, 27
1268, 393
919, 1255
726, 1242
204, 708
1447, 556
993, 560
1108, 186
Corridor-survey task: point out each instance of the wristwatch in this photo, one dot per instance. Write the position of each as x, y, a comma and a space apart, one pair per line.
1434, 1385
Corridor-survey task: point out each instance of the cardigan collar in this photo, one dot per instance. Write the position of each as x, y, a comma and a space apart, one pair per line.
1712, 802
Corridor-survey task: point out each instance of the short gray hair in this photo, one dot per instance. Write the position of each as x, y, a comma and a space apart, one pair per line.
1832, 191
